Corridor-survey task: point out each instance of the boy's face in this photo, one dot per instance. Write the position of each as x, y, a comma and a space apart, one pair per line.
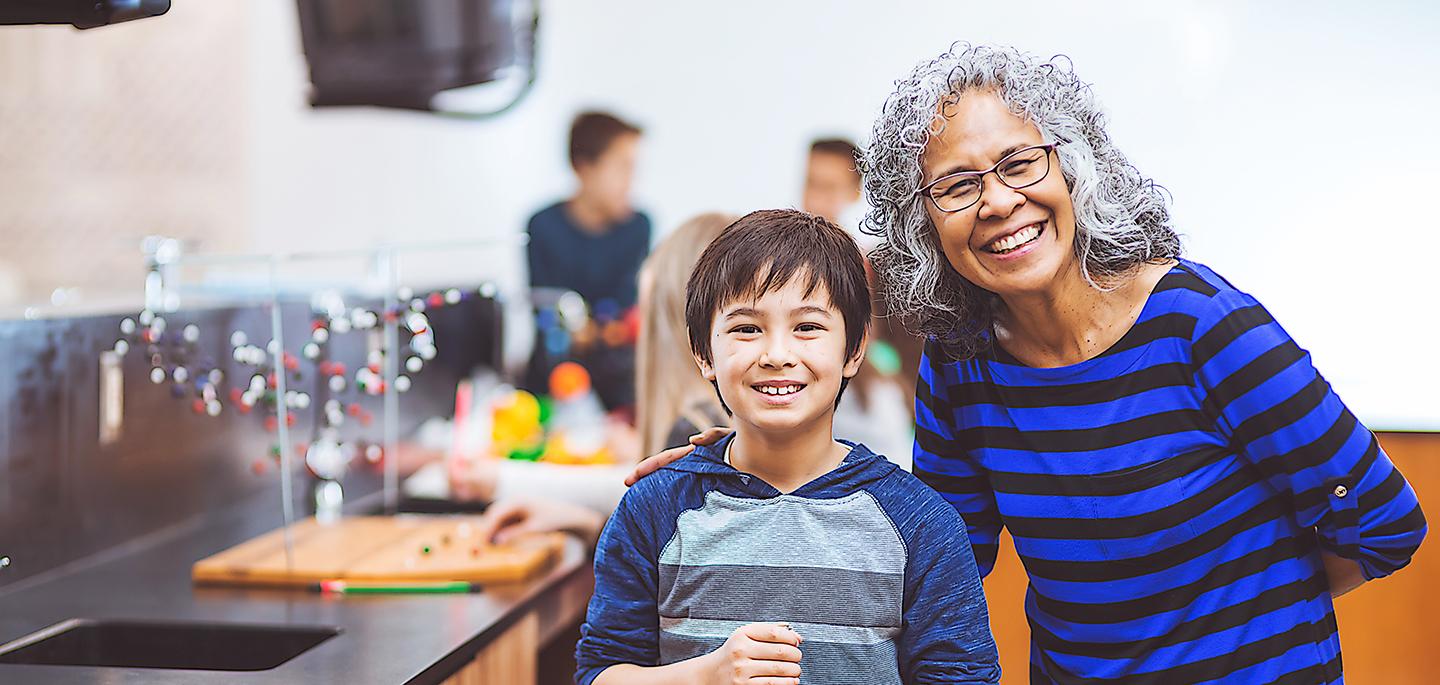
607, 178
778, 360
831, 185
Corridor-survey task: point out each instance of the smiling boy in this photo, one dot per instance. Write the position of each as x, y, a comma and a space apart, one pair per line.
780, 555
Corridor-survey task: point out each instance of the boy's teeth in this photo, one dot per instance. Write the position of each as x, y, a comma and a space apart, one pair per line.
778, 390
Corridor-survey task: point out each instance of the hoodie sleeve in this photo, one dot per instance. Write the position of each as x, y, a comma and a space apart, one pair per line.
945, 635
622, 624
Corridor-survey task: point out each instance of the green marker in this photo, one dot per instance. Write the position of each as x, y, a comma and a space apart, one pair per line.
351, 588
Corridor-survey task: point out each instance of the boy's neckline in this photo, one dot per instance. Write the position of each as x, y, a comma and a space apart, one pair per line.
848, 448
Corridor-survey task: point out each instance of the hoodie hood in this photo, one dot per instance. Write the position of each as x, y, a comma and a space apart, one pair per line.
860, 466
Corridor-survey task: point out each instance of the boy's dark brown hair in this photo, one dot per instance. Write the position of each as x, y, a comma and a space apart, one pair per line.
761, 253
592, 133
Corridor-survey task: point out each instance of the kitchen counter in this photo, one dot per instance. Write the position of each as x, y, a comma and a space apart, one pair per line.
385, 639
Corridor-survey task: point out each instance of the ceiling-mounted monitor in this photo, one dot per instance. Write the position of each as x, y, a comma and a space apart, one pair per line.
82, 14
402, 53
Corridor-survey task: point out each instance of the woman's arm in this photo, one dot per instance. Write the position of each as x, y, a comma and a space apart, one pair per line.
945, 465
1280, 415
653, 463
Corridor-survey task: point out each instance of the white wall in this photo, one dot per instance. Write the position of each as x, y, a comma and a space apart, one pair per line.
1204, 97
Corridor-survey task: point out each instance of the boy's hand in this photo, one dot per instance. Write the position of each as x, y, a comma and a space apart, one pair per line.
756, 654
652, 464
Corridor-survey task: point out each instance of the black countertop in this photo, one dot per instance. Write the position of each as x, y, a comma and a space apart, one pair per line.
386, 640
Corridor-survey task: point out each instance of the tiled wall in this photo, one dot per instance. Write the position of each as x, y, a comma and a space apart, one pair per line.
116, 133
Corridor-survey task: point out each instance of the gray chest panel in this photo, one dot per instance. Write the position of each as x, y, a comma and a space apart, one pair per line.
832, 568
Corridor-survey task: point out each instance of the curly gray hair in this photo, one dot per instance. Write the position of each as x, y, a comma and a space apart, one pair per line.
1121, 219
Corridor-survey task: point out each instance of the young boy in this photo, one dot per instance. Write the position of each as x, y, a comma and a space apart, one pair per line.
780, 555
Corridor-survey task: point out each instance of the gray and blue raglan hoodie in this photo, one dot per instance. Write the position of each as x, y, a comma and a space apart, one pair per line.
867, 563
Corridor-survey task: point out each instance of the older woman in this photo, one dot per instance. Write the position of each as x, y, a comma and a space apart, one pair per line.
1185, 491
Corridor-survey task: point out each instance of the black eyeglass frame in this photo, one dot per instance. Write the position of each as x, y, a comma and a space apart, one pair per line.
980, 176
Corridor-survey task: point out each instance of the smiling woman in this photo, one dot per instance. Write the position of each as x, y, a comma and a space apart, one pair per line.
1186, 491
1119, 217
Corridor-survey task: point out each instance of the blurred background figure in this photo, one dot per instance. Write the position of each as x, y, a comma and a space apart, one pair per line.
593, 243
832, 185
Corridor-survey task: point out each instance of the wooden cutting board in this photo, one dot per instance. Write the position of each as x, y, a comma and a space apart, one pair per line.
379, 549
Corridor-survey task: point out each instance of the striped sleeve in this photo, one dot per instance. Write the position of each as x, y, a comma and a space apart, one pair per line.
1279, 414
944, 464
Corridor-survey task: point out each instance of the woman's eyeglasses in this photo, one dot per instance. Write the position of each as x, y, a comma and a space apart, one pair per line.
1019, 169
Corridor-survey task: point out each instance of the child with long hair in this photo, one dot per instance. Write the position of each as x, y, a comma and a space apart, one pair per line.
674, 400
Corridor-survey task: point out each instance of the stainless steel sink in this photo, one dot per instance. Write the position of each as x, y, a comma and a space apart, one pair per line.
154, 644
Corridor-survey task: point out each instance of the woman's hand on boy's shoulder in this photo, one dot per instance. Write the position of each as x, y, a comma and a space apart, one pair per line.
653, 463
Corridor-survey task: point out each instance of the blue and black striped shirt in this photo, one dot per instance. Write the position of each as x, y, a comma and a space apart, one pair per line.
1170, 497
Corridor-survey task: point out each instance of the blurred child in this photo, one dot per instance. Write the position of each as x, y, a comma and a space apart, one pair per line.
832, 185
593, 244
675, 402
